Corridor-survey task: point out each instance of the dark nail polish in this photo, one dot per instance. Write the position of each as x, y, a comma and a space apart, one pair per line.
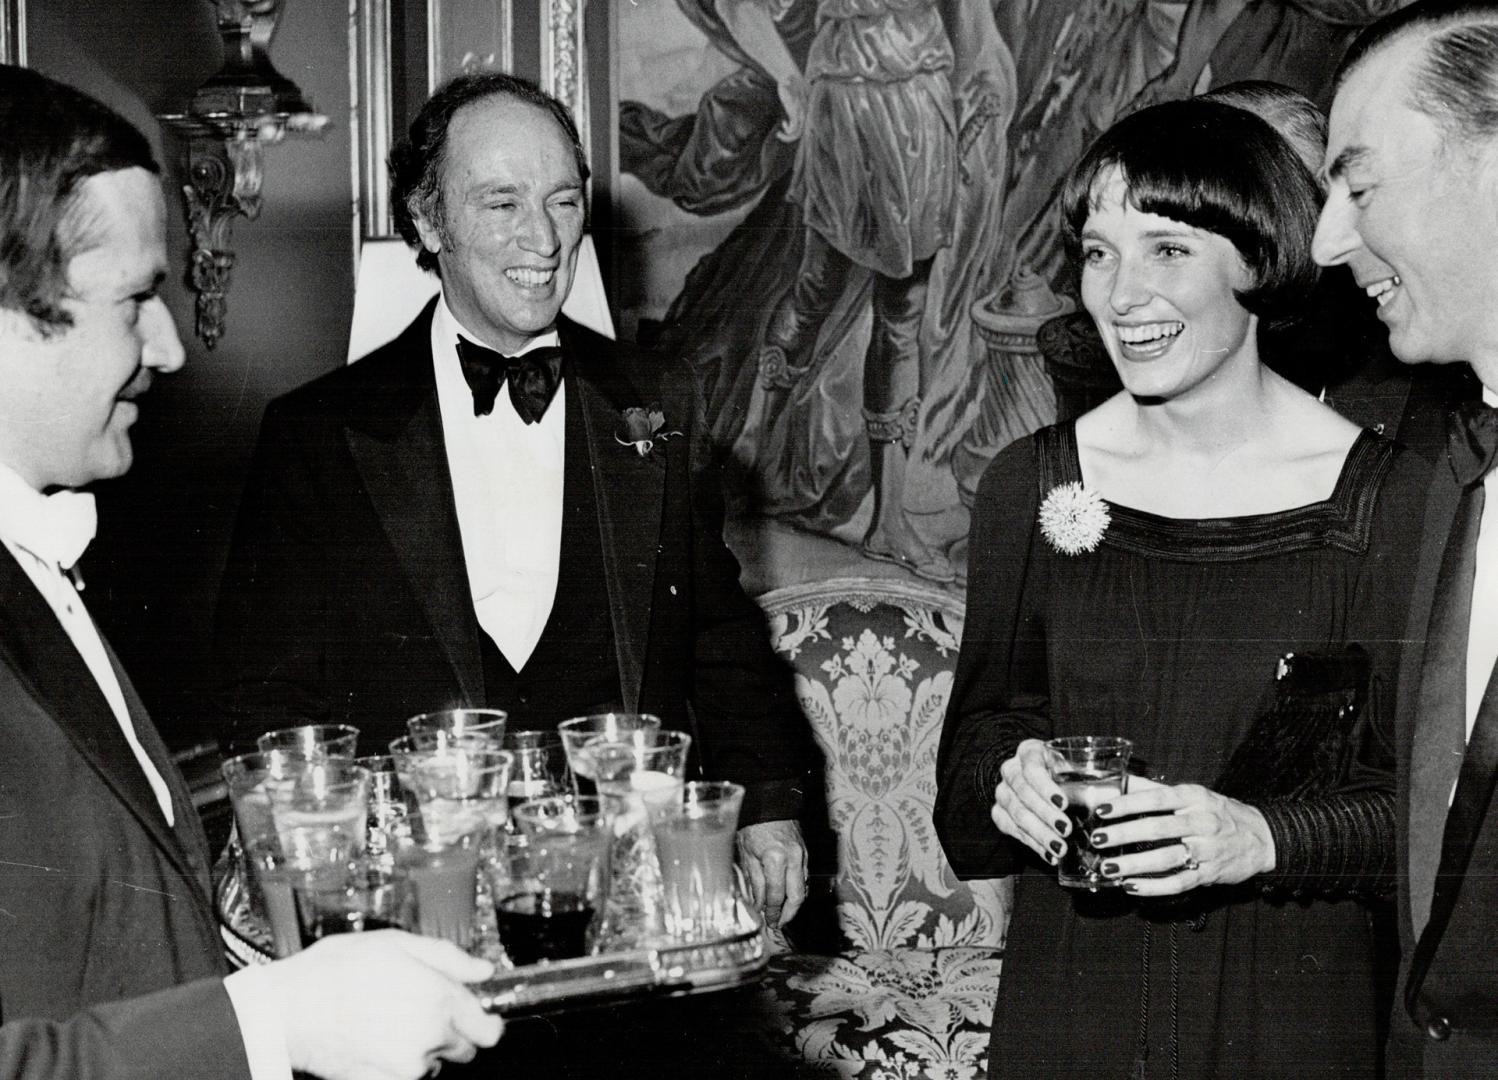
1056, 846
1129, 886
1050, 858
1062, 826
1104, 810
1099, 839
1110, 869
1058, 801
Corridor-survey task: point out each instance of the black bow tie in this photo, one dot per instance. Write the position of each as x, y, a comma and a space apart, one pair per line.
532, 377
1472, 441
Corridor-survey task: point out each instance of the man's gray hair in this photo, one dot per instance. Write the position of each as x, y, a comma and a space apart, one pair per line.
1455, 81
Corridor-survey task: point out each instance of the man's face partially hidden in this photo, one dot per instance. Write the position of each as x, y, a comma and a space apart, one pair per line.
512, 220
67, 400
1412, 214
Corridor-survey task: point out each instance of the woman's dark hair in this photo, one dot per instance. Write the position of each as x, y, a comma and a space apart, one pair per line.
1220, 169
416, 163
52, 139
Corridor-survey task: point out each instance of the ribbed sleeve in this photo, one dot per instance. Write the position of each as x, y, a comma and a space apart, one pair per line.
1337, 845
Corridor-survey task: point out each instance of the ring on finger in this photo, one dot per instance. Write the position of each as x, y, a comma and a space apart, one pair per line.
1190, 862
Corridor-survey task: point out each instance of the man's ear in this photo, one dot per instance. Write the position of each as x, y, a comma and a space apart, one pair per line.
426, 228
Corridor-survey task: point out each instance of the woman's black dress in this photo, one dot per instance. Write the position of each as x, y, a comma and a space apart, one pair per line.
1170, 633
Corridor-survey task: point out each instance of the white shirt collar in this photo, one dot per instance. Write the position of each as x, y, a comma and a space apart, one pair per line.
446, 327
56, 528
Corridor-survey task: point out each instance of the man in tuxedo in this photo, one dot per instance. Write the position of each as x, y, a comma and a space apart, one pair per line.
111, 964
1413, 212
501, 508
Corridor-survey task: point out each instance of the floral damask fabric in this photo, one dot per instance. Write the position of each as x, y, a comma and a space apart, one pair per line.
914, 995
902, 1013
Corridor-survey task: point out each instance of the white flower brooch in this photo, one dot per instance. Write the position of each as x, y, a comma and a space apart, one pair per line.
1073, 519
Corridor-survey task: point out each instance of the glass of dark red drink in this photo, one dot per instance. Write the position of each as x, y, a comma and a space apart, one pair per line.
550, 909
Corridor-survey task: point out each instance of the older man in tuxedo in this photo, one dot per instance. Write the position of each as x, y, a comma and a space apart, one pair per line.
1413, 211
111, 964
501, 507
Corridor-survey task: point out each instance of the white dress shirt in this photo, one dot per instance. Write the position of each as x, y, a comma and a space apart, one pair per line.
47, 534
507, 485
1482, 634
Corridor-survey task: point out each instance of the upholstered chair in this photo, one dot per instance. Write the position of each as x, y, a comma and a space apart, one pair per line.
910, 992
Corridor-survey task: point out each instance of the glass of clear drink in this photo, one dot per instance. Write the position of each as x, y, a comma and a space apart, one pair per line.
251, 780
443, 872
389, 814
461, 723
321, 821
459, 789
694, 840
552, 911
540, 768
632, 777
582, 732
1090, 770
312, 740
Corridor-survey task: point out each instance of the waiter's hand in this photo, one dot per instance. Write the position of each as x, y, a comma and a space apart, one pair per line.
383, 1004
773, 856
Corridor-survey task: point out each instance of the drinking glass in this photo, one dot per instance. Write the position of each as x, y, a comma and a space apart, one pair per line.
581, 732
540, 767
389, 813
443, 870
1090, 770
321, 815
459, 788
312, 740
694, 840
251, 779
552, 914
447, 723
631, 778
364, 894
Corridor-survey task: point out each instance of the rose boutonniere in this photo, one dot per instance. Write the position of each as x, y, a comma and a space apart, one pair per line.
642, 429
1073, 518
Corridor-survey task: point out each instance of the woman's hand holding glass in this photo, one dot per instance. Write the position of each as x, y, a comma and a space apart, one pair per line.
1028, 805
1197, 838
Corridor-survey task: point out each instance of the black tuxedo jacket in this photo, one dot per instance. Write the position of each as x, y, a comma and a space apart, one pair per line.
1445, 1017
346, 598
110, 960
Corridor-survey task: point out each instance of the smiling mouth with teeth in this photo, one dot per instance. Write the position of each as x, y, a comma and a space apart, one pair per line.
1383, 291
525, 275
1150, 333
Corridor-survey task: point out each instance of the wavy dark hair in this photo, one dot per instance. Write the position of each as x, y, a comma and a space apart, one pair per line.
52, 139
1217, 168
416, 163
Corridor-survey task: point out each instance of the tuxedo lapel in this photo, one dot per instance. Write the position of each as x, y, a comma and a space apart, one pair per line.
1430, 825
403, 461
1440, 512
630, 490
37, 648
188, 829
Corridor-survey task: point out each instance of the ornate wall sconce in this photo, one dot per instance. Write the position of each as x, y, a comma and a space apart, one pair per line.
232, 117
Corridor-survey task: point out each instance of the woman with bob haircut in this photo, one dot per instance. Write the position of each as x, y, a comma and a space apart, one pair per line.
1211, 564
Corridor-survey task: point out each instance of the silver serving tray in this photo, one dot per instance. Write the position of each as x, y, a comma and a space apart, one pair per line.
668, 969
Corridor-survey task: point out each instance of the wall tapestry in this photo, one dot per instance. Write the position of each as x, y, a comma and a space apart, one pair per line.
842, 214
